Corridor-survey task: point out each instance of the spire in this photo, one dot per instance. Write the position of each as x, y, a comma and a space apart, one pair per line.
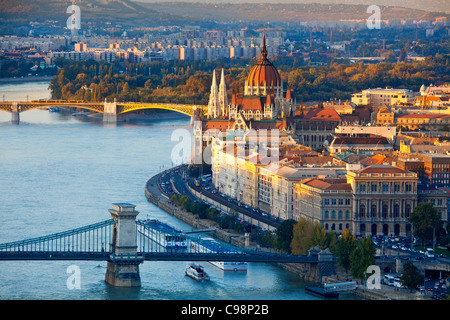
213, 105
264, 49
223, 100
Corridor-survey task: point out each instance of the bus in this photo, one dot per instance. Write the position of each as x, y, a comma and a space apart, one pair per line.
389, 280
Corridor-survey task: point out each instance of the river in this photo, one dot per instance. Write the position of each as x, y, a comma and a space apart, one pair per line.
59, 172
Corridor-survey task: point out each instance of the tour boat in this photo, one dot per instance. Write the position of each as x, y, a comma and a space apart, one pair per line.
163, 234
208, 245
196, 271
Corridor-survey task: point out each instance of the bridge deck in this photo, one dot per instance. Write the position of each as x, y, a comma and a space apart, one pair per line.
156, 256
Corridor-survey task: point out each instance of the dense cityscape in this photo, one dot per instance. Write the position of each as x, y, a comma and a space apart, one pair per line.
325, 139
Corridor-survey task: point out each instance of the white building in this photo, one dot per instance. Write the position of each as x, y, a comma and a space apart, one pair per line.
380, 97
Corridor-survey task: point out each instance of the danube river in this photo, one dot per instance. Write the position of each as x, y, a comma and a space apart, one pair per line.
59, 172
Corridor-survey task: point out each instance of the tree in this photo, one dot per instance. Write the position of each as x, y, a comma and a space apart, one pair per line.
426, 221
362, 257
344, 247
303, 232
284, 234
411, 278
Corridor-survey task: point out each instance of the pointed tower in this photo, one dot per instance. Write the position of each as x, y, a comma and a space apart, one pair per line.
213, 105
223, 100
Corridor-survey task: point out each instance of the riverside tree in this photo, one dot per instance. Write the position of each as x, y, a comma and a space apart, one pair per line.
362, 256
426, 222
344, 247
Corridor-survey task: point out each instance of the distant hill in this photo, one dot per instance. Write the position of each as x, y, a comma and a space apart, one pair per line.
429, 5
286, 12
122, 12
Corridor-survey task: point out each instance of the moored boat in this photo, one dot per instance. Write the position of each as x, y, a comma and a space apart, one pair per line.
209, 245
196, 271
163, 234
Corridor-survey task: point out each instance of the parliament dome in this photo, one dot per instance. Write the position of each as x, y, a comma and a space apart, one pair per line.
263, 77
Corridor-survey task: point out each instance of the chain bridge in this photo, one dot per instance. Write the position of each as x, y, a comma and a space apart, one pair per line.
125, 242
110, 110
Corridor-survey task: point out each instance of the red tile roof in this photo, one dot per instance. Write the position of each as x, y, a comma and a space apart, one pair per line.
381, 169
322, 115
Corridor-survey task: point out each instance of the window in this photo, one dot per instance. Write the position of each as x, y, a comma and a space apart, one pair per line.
326, 201
407, 211
385, 187
347, 202
340, 202
327, 215
373, 187
362, 188
396, 187
384, 211
408, 187
373, 211
333, 202
362, 210
396, 211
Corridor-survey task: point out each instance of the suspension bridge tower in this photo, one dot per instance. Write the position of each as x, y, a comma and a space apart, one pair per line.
123, 266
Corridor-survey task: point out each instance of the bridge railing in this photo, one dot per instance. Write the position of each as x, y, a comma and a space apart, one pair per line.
195, 248
92, 238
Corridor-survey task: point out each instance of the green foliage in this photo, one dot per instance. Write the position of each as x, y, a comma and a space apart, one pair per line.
362, 256
411, 278
426, 221
344, 247
284, 234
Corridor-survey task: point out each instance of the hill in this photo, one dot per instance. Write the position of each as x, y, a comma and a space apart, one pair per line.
284, 12
97, 12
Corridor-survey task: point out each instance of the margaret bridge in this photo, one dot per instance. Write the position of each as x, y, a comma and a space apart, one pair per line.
125, 242
111, 110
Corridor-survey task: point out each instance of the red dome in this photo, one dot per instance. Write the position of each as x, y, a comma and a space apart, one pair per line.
264, 73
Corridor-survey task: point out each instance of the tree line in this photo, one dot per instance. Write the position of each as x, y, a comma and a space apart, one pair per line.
189, 82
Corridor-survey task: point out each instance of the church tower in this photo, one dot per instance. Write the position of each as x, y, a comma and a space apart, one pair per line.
223, 100
213, 105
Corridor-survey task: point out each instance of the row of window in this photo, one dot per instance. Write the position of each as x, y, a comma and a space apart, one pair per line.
339, 215
384, 211
339, 202
384, 187
333, 226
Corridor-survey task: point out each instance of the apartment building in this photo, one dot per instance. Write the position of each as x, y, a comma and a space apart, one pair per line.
379, 97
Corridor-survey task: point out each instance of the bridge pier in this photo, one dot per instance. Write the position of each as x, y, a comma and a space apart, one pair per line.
123, 266
110, 112
15, 115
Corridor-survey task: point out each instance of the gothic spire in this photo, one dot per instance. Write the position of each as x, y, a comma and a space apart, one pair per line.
223, 100
213, 105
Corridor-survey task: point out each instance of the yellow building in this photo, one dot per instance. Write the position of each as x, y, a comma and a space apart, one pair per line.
383, 199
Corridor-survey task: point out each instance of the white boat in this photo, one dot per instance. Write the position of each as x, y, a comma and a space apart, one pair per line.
207, 246
196, 271
163, 234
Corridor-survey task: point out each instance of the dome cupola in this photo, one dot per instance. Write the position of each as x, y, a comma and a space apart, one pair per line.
263, 78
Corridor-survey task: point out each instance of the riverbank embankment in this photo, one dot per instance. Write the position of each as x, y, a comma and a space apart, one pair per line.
155, 195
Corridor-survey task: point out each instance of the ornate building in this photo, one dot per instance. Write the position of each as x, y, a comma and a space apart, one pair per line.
263, 106
263, 95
